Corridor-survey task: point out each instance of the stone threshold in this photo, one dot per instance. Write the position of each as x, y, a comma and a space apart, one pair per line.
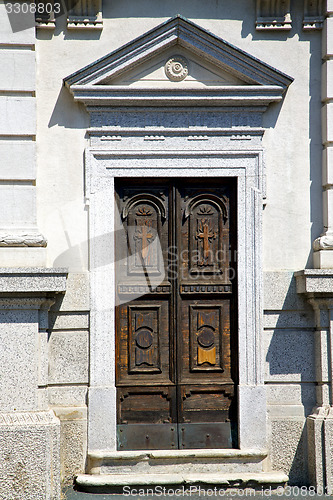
178, 454
232, 479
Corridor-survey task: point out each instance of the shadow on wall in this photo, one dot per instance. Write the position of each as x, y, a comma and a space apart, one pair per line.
290, 353
68, 113
192, 9
71, 34
313, 38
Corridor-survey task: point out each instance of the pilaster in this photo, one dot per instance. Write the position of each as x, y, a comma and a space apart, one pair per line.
29, 431
323, 246
317, 286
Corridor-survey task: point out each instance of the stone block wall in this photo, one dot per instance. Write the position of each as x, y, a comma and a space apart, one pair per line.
68, 372
29, 430
289, 374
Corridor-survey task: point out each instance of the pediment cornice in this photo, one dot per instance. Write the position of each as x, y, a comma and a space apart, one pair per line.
261, 83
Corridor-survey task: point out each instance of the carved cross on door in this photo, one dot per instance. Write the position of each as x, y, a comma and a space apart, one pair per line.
206, 234
144, 233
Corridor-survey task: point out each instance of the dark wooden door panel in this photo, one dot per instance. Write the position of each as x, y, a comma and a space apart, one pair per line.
144, 214
205, 403
203, 236
143, 343
176, 326
144, 336
204, 343
150, 405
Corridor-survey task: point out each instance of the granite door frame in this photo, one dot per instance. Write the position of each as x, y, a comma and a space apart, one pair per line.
105, 164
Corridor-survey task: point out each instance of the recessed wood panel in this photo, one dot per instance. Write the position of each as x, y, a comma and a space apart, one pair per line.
204, 341
143, 343
144, 339
205, 403
137, 405
205, 338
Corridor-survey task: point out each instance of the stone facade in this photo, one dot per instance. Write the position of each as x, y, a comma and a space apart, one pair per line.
93, 94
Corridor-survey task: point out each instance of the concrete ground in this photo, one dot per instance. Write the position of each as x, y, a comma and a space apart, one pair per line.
76, 495
70, 494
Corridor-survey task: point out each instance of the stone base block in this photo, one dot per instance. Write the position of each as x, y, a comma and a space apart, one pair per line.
323, 259
320, 448
288, 447
111, 482
23, 257
73, 440
29, 456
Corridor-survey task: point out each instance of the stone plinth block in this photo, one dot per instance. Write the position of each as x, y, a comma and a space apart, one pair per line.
18, 337
326, 122
323, 259
327, 44
328, 159
320, 440
18, 70
18, 208
17, 115
326, 83
27, 280
315, 281
24, 29
68, 357
17, 162
327, 211
29, 456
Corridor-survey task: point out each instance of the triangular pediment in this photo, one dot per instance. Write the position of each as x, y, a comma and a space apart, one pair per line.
154, 72
175, 56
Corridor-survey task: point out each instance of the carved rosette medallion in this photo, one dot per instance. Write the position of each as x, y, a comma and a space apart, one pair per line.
176, 68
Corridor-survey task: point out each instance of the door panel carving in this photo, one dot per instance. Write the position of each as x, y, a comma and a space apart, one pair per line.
205, 233
144, 216
143, 343
205, 338
144, 339
152, 405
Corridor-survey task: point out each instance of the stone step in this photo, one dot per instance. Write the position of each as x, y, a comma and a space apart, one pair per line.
88, 481
177, 461
227, 468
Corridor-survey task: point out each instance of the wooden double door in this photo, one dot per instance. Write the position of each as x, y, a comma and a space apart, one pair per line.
176, 321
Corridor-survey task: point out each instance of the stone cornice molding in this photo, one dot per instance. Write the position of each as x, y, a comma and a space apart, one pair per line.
315, 283
32, 280
25, 239
112, 95
273, 15
262, 83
